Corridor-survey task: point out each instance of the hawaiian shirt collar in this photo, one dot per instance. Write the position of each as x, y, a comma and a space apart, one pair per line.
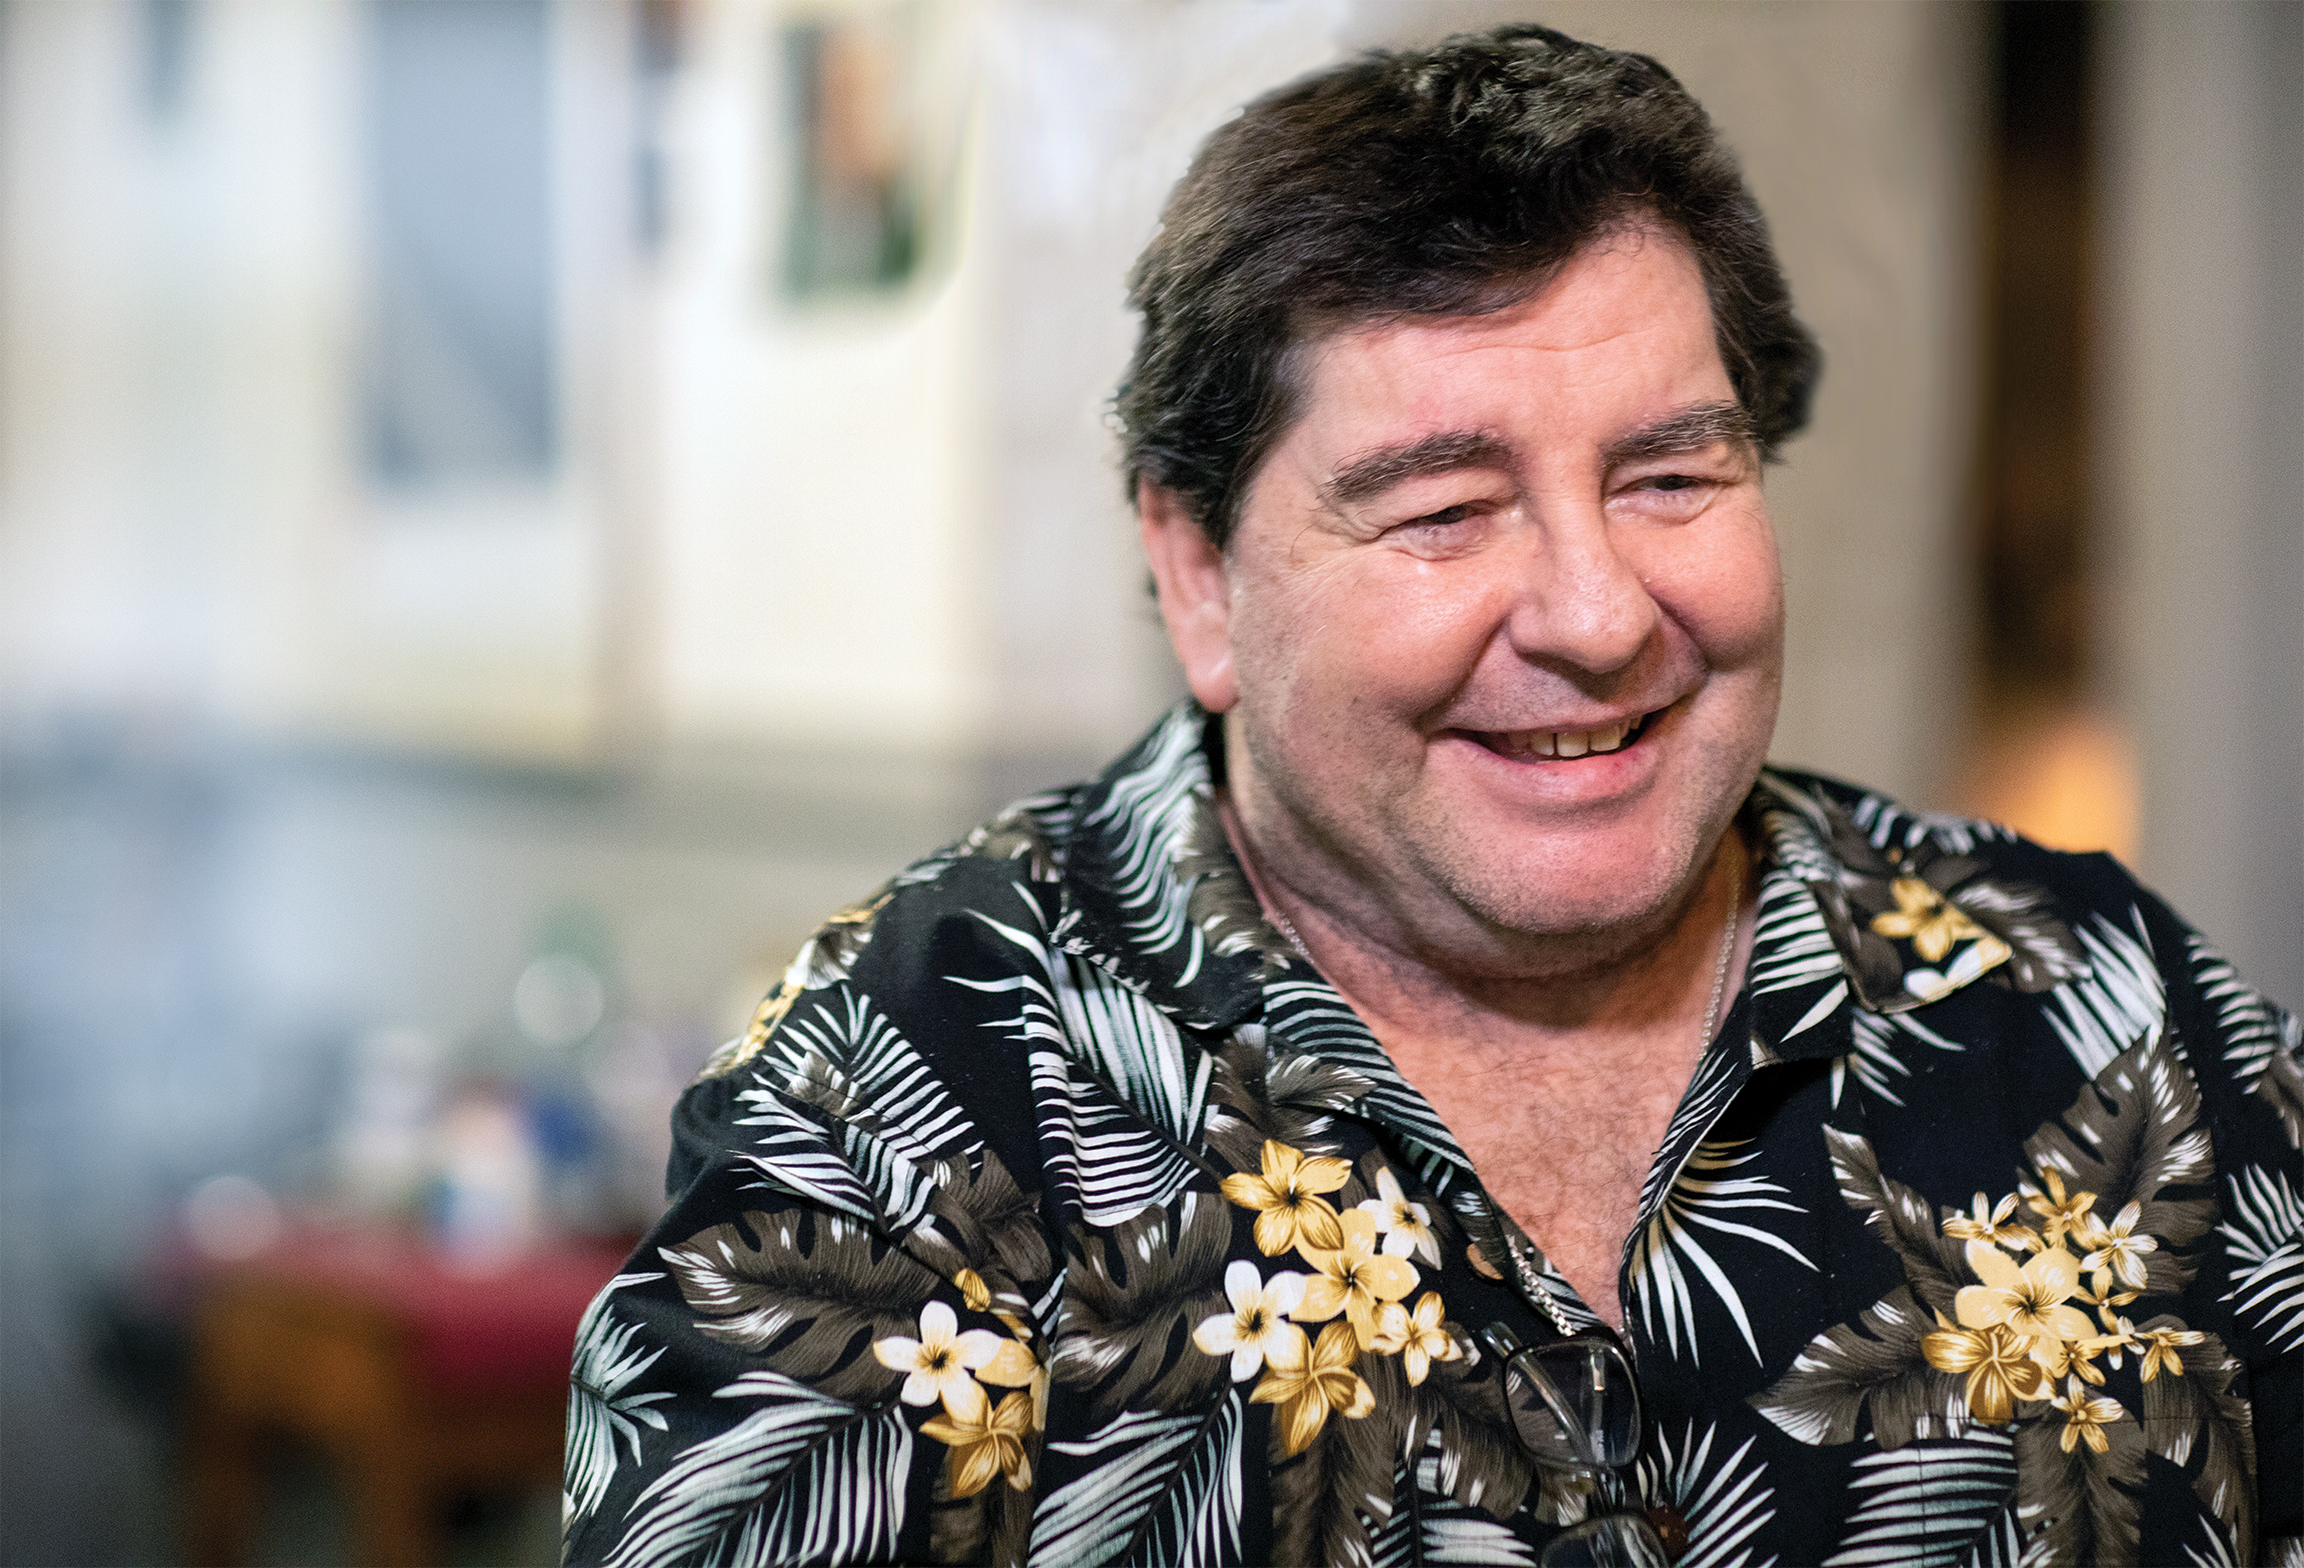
1881, 915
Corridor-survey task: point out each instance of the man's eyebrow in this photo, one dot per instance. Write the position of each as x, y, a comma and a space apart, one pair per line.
1372, 473
1688, 429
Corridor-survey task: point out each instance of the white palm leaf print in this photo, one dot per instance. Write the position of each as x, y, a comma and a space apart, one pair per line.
1718, 1076
2218, 1550
1169, 1493
600, 1410
2264, 1238
1875, 1062
1798, 830
2119, 1002
1439, 1529
848, 1057
1725, 1502
1931, 1504
1103, 1026
895, 1133
1886, 823
2253, 1029
1471, 1537
1792, 947
809, 1478
1154, 807
1667, 1247
801, 1158
1099, 1150
1309, 1015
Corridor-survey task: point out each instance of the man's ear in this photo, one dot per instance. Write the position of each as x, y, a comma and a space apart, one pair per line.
1195, 594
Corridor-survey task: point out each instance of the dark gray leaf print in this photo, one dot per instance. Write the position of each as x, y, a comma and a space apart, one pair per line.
1876, 1361
2196, 1413
1933, 1262
2133, 1136
2078, 1505
802, 1294
1478, 1460
1292, 1099
2042, 950
1138, 1291
994, 1223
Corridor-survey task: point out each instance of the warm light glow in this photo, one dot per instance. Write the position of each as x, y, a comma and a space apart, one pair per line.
2064, 774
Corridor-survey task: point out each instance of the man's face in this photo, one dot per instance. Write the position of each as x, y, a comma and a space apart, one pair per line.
1500, 630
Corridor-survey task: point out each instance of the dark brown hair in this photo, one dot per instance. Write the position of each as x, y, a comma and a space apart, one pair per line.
1436, 182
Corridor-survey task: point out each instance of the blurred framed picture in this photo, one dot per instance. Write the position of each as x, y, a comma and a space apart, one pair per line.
853, 213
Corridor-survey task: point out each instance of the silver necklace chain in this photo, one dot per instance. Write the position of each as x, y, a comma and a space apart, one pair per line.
1523, 1265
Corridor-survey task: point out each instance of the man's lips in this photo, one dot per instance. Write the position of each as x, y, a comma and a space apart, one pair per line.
1553, 745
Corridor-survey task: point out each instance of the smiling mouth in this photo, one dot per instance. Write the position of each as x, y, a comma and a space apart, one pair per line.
1561, 745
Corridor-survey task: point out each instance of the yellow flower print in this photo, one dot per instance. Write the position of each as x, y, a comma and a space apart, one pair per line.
2081, 1362
1998, 1363
1289, 1209
2119, 1336
2062, 1213
1924, 915
1990, 1223
1014, 1366
1417, 1337
987, 1444
1308, 1380
1354, 1279
2160, 1350
1406, 1227
2114, 1250
973, 1291
940, 1360
2085, 1416
1257, 1321
2028, 1299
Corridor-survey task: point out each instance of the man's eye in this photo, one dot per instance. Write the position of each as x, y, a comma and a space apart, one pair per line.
1673, 482
1447, 514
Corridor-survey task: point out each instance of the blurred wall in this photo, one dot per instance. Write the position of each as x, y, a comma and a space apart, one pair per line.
2202, 397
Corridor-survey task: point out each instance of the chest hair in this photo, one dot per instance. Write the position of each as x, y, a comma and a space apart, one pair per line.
1566, 1155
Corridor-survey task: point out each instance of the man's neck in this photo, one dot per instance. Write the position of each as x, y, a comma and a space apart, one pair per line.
1558, 1082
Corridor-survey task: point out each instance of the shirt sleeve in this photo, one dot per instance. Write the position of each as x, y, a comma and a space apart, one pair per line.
832, 1348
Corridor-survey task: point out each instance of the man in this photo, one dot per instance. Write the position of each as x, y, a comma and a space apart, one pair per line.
1438, 1099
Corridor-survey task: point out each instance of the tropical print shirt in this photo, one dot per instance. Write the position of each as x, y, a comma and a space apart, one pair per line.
1054, 1211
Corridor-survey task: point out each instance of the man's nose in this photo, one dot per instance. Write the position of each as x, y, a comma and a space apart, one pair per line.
1579, 602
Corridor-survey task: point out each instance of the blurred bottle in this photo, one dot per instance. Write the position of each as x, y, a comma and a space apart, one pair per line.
487, 1206
383, 1144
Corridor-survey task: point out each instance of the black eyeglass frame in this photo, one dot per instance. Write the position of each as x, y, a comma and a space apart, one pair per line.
1608, 1475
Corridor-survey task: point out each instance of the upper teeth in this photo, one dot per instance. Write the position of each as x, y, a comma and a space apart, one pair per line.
1567, 743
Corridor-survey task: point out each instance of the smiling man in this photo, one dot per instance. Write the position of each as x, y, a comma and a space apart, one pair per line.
1440, 1098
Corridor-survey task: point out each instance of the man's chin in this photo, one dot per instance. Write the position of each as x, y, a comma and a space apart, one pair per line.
1559, 915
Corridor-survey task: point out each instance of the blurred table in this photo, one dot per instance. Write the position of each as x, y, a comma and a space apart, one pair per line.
414, 1379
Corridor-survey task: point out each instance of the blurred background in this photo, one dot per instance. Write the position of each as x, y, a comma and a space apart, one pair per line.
510, 510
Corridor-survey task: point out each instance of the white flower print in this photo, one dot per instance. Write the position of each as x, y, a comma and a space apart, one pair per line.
1258, 1317
940, 1361
1406, 1227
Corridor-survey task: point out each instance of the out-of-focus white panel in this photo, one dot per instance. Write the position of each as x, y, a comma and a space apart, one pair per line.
822, 465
